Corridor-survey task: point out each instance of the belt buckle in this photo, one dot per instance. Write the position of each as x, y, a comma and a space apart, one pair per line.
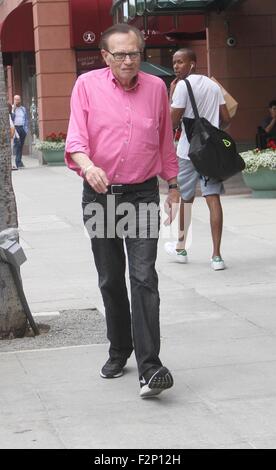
113, 191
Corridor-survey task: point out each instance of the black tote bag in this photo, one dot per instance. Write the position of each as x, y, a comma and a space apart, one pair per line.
212, 151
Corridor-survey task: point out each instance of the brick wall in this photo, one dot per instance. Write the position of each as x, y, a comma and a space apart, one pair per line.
55, 64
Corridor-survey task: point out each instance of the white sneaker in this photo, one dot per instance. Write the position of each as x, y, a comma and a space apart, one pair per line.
178, 256
217, 263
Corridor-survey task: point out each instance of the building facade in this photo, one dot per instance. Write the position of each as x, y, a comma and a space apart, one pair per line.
46, 44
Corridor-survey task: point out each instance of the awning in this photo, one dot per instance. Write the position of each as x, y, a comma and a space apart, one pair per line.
17, 31
131, 8
157, 70
187, 27
88, 19
183, 36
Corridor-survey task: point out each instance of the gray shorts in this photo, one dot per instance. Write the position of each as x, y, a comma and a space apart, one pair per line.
188, 178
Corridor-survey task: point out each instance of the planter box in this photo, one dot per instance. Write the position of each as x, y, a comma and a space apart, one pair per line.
54, 157
262, 182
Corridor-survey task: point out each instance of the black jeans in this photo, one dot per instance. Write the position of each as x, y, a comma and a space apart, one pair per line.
143, 332
18, 145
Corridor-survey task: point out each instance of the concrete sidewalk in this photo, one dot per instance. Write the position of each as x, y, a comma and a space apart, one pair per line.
218, 335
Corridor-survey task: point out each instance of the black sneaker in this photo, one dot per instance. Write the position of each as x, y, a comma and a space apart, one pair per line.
156, 383
113, 368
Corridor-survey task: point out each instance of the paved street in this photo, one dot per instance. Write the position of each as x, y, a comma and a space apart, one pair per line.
218, 334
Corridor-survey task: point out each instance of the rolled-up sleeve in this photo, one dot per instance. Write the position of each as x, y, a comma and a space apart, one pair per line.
77, 136
167, 149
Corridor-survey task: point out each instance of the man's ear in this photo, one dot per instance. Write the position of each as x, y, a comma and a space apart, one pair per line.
105, 56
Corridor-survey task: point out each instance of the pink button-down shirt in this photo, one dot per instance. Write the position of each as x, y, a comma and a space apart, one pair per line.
126, 133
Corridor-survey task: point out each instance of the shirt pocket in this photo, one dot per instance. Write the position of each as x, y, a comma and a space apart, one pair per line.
147, 132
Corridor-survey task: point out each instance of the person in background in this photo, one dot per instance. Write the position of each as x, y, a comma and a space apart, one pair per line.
211, 105
13, 132
269, 123
119, 140
20, 119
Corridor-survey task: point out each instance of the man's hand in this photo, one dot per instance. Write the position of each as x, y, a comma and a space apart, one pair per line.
97, 178
171, 205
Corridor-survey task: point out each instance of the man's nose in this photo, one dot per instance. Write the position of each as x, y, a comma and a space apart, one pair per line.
128, 59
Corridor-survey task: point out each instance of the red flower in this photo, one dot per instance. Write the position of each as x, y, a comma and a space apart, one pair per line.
271, 144
53, 137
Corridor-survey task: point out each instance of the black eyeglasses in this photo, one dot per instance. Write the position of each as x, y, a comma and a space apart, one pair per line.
121, 56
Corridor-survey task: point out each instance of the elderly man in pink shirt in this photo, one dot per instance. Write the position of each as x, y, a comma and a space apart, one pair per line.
119, 140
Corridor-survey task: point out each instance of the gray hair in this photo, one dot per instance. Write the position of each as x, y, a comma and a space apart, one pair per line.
123, 28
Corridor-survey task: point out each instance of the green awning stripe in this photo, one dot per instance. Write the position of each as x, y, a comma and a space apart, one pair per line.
161, 70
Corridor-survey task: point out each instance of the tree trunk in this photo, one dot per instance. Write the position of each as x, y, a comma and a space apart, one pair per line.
13, 322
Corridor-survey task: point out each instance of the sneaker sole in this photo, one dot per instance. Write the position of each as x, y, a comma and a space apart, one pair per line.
175, 257
178, 258
112, 376
147, 392
155, 387
218, 266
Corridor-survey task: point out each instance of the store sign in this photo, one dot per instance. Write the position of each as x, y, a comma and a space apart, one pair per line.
88, 60
89, 37
88, 19
150, 32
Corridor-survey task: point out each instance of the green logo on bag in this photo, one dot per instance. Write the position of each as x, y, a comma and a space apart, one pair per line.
226, 142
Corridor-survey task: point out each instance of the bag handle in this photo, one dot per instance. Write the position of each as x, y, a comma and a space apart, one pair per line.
192, 98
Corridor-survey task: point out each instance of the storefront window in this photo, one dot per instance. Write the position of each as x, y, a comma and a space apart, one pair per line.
125, 11
132, 9
140, 6
175, 3
119, 13
160, 56
166, 4
24, 83
151, 4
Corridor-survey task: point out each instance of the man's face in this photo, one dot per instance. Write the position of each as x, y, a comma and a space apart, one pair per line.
124, 70
182, 65
17, 100
273, 111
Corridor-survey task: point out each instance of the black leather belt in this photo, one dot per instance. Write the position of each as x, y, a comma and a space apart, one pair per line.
118, 189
